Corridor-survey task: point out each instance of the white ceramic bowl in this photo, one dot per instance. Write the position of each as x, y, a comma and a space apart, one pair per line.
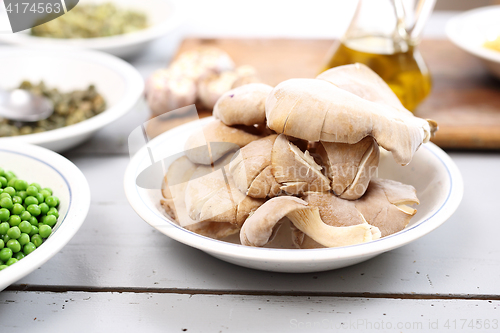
434, 175
49, 169
119, 83
471, 29
163, 16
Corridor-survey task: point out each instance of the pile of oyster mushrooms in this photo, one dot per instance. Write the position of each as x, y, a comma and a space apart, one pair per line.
307, 150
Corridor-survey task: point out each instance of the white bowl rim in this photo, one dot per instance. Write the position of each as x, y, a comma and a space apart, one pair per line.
451, 32
134, 89
106, 44
78, 207
304, 256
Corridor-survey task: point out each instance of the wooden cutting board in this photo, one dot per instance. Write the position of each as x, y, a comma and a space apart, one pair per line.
465, 99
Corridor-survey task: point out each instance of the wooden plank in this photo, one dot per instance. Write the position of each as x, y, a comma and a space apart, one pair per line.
152, 312
115, 249
465, 100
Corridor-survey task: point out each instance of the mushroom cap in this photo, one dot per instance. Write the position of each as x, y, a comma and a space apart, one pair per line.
261, 226
211, 195
317, 110
350, 167
296, 171
244, 105
384, 205
251, 169
222, 139
174, 187
360, 80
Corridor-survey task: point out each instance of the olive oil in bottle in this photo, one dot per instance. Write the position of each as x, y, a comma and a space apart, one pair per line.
404, 70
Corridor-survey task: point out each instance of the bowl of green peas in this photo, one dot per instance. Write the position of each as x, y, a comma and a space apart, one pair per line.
44, 199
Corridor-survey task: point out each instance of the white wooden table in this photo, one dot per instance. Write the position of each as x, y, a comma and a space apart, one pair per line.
120, 275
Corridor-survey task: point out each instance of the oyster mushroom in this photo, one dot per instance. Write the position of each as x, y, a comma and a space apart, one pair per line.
212, 196
296, 171
318, 110
251, 169
244, 105
260, 228
385, 205
350, 167
174, 187
215, 140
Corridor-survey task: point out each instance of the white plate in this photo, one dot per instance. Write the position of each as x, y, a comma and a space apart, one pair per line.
471, 29
434, 175
119, 83
163, 16
36, 164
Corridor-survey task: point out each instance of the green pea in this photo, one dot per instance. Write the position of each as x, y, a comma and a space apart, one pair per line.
50, 220
33, 221
31, 200
45, 231
38, 187
2, 244
48, 189
45, 193
32, 190
17, 208
44, 208
11, 261
34, 230
6, 203
19, 255
25, 216
25, 226
12, 182
28, 248
3, 182
9, 175
14, 220
17, 200
24, 239
39, 196
14, 232
5, 238
22, 194
4, 214
9, 190
5, 254
4, 227
2, 267
37, 240
52, 201
34, 210
14, 245
20, 185
5, 195
53, 211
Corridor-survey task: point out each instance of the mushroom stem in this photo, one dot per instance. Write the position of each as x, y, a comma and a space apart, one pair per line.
309, 222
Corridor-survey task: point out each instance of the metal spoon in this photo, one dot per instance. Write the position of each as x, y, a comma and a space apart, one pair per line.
21, 105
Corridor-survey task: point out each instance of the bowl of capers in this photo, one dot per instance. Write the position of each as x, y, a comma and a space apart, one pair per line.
88, 90
122, 28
